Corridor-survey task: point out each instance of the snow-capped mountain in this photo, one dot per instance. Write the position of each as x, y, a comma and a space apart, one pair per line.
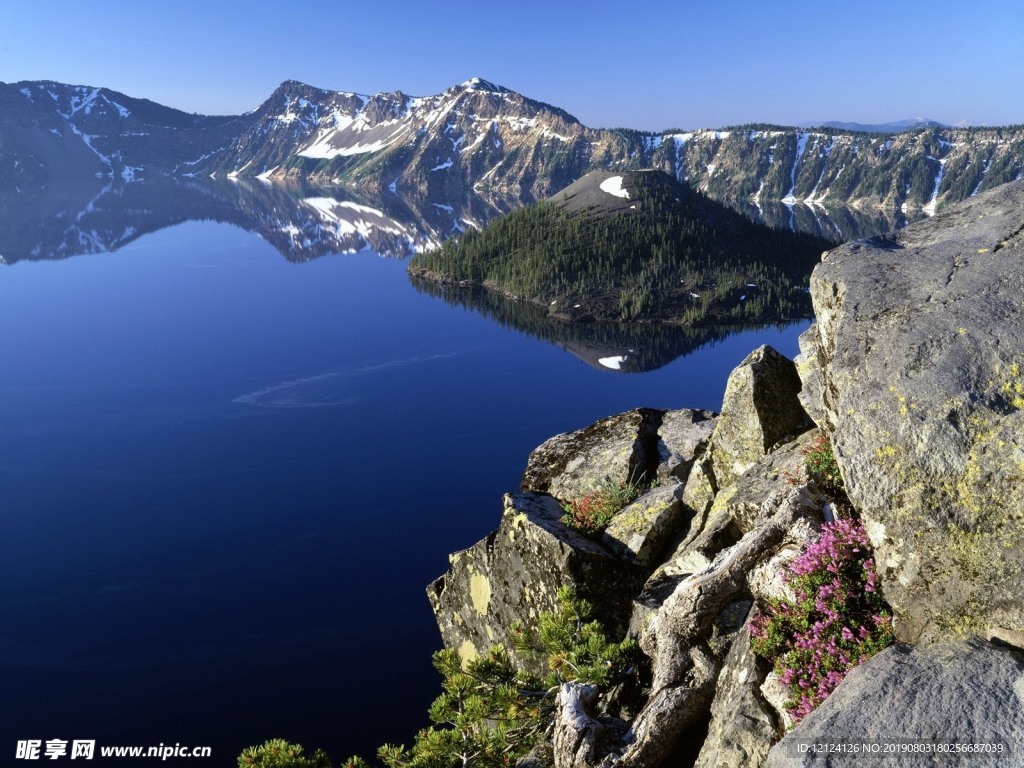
473, 136
483, 138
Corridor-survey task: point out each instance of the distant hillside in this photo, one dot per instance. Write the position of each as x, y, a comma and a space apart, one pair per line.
633, 246
895, 126
481, 138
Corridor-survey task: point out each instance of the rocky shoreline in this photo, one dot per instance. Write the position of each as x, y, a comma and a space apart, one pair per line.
914, 370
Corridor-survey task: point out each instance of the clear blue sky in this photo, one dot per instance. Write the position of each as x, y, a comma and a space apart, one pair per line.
652, 65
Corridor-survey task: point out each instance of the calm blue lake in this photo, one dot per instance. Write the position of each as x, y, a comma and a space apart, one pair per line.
228, 478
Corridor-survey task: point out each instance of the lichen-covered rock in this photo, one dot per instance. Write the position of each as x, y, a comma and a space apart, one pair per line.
515, 573
947, 693
743, 726
781, 469
921, 345
761, 407
809, 371
640, 532
619, 449
683, 436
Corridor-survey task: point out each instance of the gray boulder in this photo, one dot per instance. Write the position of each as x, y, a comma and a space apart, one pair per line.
920, 338
640, 532
683, 436
761, 408
950, 693
515, 573
618, 450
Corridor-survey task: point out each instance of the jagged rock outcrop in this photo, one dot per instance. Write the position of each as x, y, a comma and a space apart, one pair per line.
690, 614
619, 450
684, 668
515, 573
949, 693
761, 408
733, 511
920, 342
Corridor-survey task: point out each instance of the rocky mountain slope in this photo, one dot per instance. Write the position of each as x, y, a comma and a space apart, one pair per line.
481, 137
913, 373
51, 130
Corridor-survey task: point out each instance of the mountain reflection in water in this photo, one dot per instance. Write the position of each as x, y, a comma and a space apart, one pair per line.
70, 217
623, 347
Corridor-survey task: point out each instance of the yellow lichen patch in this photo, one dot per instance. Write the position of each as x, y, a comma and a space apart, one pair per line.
962, 624
636, 516
480, 592
467, 652
886, 453
901, 399
973, 553
1012, 387
516, 524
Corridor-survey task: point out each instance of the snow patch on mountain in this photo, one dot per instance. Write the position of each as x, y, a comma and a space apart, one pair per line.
613, 186
801, 145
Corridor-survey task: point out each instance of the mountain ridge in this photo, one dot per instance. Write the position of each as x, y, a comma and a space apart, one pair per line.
481, 137
891, 126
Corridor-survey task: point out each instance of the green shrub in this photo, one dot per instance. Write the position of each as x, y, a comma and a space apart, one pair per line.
591, 513
278, 753
490, 713
822, 467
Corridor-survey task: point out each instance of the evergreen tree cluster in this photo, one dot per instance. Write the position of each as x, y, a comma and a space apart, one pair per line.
672, 255
490, 713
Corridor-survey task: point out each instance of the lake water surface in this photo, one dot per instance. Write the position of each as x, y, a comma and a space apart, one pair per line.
228, 478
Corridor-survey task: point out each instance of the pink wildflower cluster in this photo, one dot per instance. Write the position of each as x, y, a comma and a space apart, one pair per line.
837, 620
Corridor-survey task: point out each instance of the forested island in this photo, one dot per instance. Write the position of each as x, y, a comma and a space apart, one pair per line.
634, 246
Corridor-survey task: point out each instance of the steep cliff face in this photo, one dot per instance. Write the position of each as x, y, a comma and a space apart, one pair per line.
920, 340
914, 372
917, 170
